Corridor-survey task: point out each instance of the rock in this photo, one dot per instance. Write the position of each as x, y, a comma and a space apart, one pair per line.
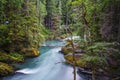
69, 49
66, 50
62, 37
6, 69
30, 52
69, 60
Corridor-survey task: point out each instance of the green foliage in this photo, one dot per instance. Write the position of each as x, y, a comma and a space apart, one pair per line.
4, 38
102, 54
91, 11
99, 47
43, 12
6, 69
23, 22
64, 10
16, 55
42, 9
94, 59
75, 3
51, 7
11, 57
3, 58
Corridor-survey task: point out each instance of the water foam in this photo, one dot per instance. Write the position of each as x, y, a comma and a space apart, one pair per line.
27, 71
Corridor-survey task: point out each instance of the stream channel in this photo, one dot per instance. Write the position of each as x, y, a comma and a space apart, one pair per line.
48, 66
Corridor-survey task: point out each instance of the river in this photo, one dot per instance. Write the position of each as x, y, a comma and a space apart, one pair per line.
48, 66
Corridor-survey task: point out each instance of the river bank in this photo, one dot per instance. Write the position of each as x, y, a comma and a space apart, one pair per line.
7, 60
85, 68
97, 61
47, 66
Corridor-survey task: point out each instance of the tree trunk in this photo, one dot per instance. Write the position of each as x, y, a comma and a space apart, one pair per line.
38, 11
93, 74
72, 44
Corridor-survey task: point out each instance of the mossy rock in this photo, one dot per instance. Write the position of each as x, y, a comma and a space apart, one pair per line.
6, 69
79, 61
16, 57
30, 52
66, 50
70, 56
11, 57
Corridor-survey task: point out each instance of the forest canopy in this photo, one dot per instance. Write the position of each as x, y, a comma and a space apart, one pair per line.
26, 24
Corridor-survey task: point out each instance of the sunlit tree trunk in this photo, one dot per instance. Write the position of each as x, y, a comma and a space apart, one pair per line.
68, 30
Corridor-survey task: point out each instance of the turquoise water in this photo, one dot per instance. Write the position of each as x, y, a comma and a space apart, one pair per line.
46, 66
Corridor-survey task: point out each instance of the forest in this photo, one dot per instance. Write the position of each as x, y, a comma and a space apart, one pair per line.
59, 39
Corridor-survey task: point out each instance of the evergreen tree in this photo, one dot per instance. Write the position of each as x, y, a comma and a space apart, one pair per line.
51, 11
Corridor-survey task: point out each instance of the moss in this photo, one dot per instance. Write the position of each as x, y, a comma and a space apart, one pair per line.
79, 61
12, 57
100, 47
69, 58
66, 50
35, 52
3, 57
6, 69
30, 52
17, 57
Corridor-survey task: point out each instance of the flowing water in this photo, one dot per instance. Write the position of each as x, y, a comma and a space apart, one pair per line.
48, 66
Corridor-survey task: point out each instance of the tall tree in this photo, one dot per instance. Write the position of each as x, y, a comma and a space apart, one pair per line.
51, 11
